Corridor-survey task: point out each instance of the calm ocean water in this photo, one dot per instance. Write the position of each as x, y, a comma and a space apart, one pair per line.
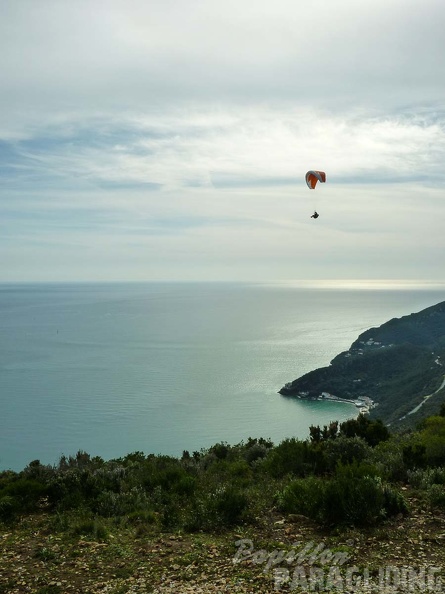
163, 367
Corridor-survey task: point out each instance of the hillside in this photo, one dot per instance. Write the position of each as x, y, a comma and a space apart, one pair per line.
251, 518
35, 559
398, 365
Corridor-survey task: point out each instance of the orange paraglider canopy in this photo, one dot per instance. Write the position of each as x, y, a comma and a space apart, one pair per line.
312, 177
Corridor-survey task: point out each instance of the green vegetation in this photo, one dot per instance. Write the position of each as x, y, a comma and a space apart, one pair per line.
399, 365
122, 525
346, 474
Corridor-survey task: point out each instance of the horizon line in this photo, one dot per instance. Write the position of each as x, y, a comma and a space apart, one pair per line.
370, 284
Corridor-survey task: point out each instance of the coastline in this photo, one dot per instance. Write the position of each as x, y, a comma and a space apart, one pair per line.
363, 403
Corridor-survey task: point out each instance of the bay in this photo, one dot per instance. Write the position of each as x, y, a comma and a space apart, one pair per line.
163, 367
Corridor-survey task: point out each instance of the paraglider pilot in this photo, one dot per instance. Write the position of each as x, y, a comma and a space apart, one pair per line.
315, 215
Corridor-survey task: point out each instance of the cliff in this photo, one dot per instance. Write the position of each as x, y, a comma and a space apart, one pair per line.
398, 365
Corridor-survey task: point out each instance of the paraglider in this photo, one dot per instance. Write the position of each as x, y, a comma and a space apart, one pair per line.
312, 178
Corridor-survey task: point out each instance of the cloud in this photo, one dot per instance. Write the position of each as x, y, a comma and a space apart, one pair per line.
242, 147
170, 139
119, 54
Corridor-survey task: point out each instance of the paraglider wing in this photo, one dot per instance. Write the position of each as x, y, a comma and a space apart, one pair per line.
312, 177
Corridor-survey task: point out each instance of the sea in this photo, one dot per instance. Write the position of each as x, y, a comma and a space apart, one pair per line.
160, 368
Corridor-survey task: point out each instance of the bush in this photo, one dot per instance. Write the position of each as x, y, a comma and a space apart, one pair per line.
170, 517
45, 554
223, 508
230, 505
26, 494
389, 460
303, 496
424, 478
414, 455
91, 528
291, 456
142, 517
220, 450
165, 472
65, 490
345, 450
393, 502
8, 509
38, 472
432, 437
110, 504
373, 431
352, 500
349, 498
185, 486
436, 496
256, 450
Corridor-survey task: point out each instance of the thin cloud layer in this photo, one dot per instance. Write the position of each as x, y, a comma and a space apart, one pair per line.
127, 53
170, 140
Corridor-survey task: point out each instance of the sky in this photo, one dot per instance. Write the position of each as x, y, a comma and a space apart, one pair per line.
169, 140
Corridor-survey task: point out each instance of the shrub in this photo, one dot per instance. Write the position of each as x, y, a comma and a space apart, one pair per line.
142, 517
346, 499
91, 528
110, 504
373, 431
8, 509
170, 517
44, 554
436, 496
438, 476
394, 503
59, 522
26, 493
38, 472
230, 505
220, 450
164, 472
291, 456
238, 469
109, 478
303, 496
222, 508
353, 500
356, 470
256, 449
82, 460
225, 471
389, 460
65, 490
432, 437
414, 455
185, 486
424, 478
345, 450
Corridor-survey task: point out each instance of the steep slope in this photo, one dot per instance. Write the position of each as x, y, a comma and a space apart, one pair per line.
397, 365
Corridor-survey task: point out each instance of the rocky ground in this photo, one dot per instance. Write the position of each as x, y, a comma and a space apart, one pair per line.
279, 554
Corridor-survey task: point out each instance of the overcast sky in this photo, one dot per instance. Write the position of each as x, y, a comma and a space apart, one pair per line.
169, 139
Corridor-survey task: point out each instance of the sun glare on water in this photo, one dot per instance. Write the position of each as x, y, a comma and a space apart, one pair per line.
362, 284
